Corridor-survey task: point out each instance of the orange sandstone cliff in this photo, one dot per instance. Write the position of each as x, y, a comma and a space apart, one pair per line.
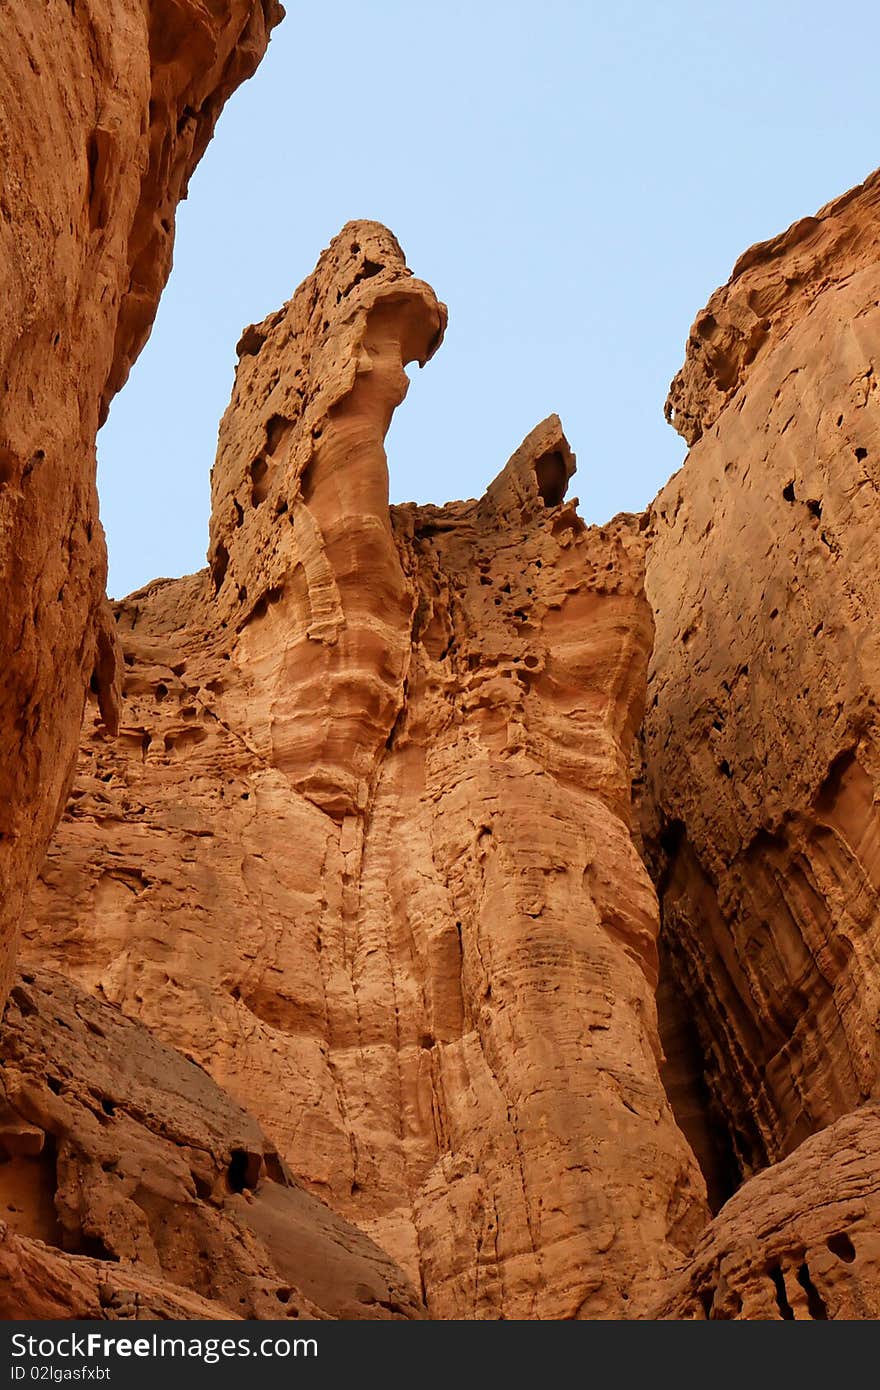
344, 991
761, 732
127, 1177
760, 803
105, 108
362, 847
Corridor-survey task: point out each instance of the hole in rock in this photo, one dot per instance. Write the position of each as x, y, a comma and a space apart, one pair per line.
814, 507
845, 784
785, 1309
28, 1182
841, 1246
788, 492
80, 1243
275, 430
219, 565
815, 1303
861, 454
367, 271
261, 607
259, 481
671, 837
552, 476
244, 1170
275, 1169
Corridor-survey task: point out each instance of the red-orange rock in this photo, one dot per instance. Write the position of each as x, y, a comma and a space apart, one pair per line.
799, 1241
105, 108
120, 1153
362, 847
761, 734
40, 1282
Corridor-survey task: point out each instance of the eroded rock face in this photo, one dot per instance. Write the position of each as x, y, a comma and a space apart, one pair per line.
116, 1148
798, 1241
40, 1282
761, 733
105, 108
363, 846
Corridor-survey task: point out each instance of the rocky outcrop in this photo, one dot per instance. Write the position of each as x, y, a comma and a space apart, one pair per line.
105, 108
39, 1282
115, 1148
798, 1241
761, 735
362, 1010
362, 847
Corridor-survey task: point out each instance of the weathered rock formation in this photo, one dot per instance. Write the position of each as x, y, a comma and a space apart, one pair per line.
105, 108
362, 847
762, 742
358, 1005
116, 1148
800, 1240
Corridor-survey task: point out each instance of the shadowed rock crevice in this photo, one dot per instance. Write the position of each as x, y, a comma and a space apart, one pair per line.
684, 1076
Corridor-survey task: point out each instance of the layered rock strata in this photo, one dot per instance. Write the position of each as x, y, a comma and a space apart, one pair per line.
163, 1194
761, 735
105, 108
362, 848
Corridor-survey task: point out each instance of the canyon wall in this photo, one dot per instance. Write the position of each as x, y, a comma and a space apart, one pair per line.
340, 983
105, 108
362, 846
160, 1191
761, 737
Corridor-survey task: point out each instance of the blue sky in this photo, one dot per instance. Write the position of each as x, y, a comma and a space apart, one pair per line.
574, 179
